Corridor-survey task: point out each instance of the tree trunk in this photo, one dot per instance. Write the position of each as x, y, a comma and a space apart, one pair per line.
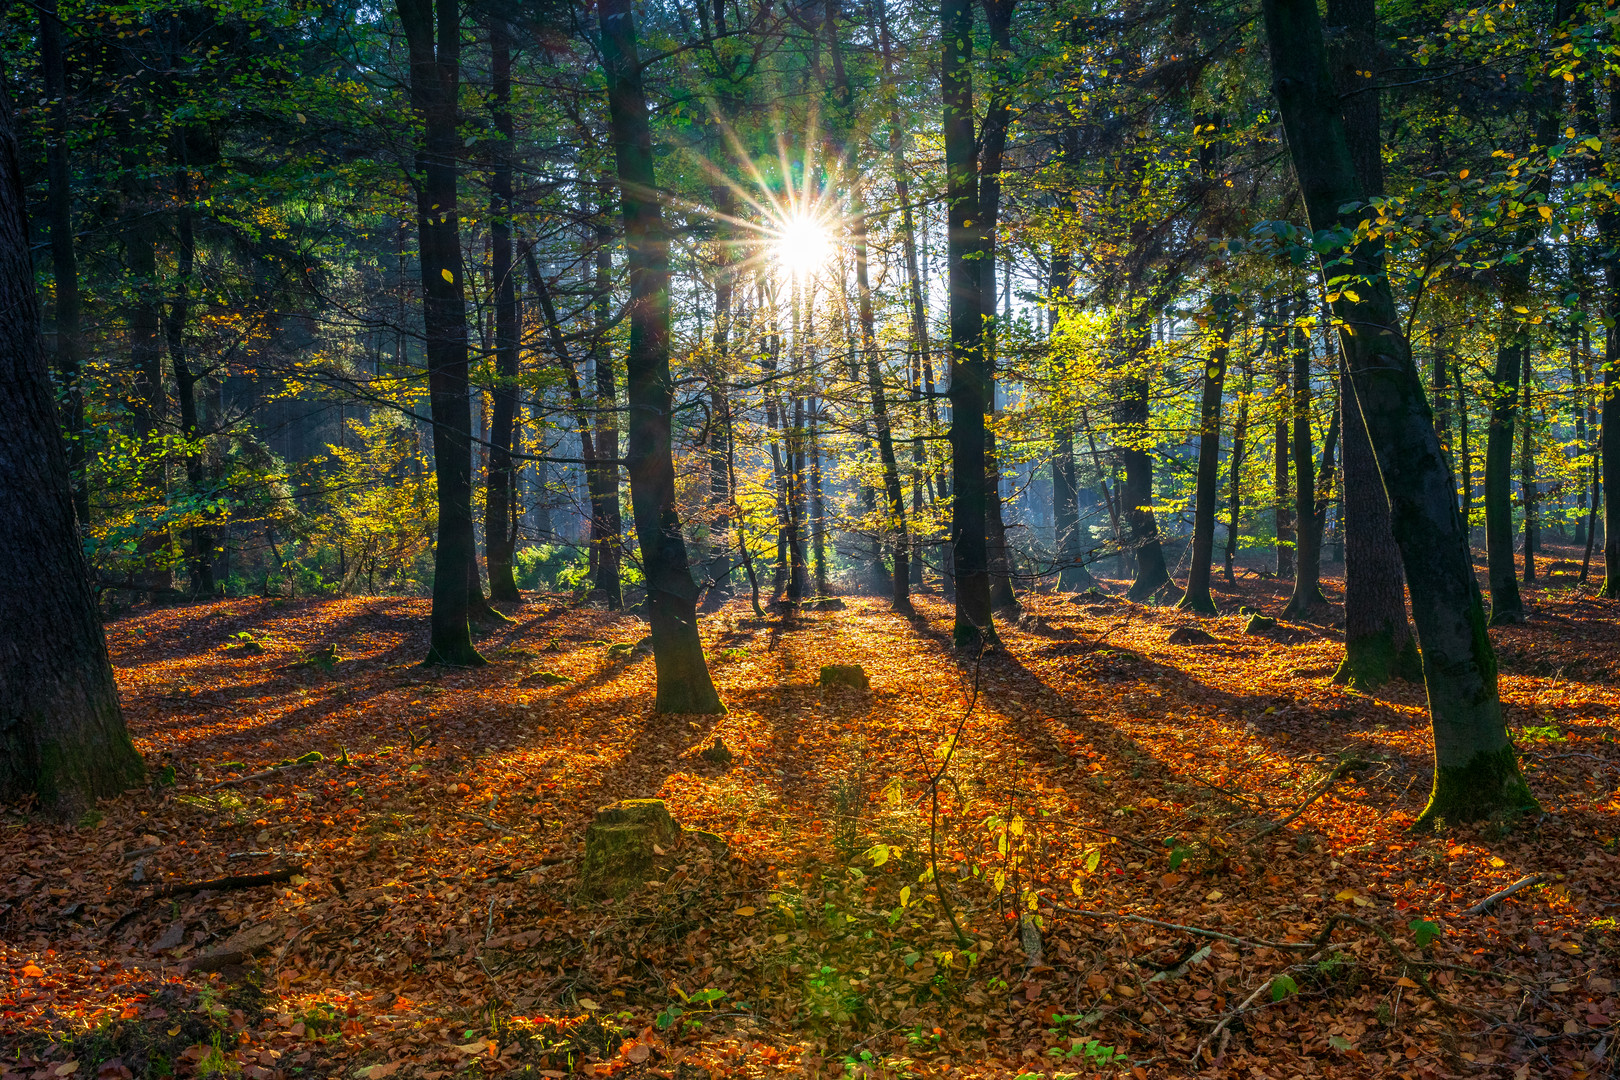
970, 375
1240, 433
1527, 476
1378, 639
895, 527
684, 685
607, 521
62, 735
1307, 594
433, 32
64, 263
1284, 518
500, 530
1136, 494
1197, 597
1476, 768
1506, 605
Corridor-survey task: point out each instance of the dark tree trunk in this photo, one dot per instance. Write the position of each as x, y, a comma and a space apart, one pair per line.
607, 519
720, 434
1240, 433
1378, 639
1307, 594
500, 528
62, 735
1466, 455
1609, 412
684, 685
1476, 768
433, 31
1284, 514
1527, 476
1136, 493
1506, 605
970, 368
1197, 597
895, 527
59, 199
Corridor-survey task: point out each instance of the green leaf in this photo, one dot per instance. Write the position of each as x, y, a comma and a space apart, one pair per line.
1282, 986
1424, 931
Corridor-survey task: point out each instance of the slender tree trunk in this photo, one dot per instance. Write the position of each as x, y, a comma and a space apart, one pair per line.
1284, 518
895, 527
1506, 606
433, 32
684, 685
1476, 768
500, 530
1466, 455
1577, 383
970, 374
1197, 597
720, 438
1307, 594
1240, 434
64, 263
63, 738
606, 516
1136, 494
1527, 476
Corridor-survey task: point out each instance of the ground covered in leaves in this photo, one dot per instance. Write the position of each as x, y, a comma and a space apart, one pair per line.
1094, 852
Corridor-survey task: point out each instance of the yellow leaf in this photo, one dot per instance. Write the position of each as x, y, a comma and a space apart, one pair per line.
1463, 175
1408, 983
1347, 894
587, 1003
1497, 862
744, 911
448, 276
905, 895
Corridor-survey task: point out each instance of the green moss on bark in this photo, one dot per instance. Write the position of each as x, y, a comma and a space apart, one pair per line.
1371, 660
1488, 785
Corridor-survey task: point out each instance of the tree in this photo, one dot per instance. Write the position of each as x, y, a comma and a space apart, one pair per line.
1197, 597
62, 738
1476, 771
684, 685
500, 530
433, 34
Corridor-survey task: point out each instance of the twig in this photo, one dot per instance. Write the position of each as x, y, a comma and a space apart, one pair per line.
1192, 1062
1490, 901
239, 881
491, 822
1322, 789
272, 771
1198, 931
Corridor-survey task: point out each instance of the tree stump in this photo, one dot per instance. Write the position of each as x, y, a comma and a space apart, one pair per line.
851, 675
622, 844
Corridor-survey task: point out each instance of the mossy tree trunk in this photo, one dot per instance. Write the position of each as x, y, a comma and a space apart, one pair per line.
1475, 766
62, 735
684, 685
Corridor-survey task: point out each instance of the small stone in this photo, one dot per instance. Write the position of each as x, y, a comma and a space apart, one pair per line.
851, 675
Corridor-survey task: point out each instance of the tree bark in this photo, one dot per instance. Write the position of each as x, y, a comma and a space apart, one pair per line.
895, 527
200, 557
1197, 597
1476, 769
684, 685
1240, 433
1527, 475
500, 530
433, 33
1136, 493
1307, 595
970, 375
1283, 513
62, 734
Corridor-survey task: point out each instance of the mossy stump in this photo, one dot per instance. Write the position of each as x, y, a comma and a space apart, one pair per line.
850, 675
622, 844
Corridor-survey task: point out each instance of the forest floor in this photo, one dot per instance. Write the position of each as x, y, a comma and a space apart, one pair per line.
426, 920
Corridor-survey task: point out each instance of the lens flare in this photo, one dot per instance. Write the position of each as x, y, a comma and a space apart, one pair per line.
802, 245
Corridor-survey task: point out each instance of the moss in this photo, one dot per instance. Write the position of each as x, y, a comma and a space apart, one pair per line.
851, 675
1488, 786
1201, 605
1371, 660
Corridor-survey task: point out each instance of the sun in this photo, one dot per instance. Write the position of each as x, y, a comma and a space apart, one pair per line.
801, 245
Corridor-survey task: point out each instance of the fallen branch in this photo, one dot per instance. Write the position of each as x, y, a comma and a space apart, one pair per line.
238, 881
273, 770
1490, 901
490, 822
1197, 931
1322, 789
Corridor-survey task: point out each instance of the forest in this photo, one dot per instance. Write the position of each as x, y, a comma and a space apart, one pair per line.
826, 538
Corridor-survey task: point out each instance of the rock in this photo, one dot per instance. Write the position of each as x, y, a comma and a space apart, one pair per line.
620, 650
1260, 624
824, 603
851, 675
551, 678
718, 754
1190, 635
622, 844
